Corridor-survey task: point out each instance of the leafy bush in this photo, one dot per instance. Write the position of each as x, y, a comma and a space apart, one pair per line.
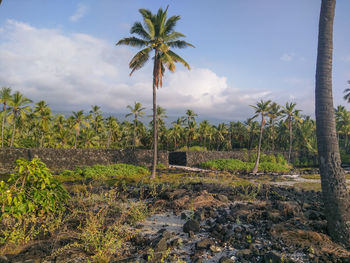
32, 189
234, 165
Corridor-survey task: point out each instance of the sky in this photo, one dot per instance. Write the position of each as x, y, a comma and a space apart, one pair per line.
64, 52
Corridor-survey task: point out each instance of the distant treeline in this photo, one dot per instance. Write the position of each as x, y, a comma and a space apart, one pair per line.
28, 124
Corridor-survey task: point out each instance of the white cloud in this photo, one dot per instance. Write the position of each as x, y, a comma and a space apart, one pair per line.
79, 13
75, 71
287, 57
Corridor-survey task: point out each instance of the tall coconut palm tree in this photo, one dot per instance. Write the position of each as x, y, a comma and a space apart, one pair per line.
190, 121
136, 112
43, 112
156, 35
335, 195
78, 120
274, 114
5, 97
112, 127
339, 113
262, 108
96, 116
291, 114
19, 108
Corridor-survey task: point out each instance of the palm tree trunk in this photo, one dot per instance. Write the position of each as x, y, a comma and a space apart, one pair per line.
13, 130
273, 136
76, 138
109, 138
134, 135
3, 125
155, 132
290, 139
41, 139
335, 195
256, 166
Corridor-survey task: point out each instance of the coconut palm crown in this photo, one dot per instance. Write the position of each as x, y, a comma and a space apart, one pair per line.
156, 34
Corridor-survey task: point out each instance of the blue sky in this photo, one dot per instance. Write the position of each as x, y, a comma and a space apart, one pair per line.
64, 53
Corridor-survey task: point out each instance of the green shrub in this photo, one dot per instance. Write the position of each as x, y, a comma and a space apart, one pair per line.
161, 166
32, 189
234, 165
280, 159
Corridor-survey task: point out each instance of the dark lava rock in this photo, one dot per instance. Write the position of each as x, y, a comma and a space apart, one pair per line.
244, 253
226, 260
222, 198
199, 215
197, 260
183, 216
191, 225
204, 243
313, 215
171, 195
177, 242
160, 243
289, 208
273, 257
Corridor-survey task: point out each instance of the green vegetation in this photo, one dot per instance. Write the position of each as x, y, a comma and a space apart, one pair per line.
192, 149
269, 163
32, 189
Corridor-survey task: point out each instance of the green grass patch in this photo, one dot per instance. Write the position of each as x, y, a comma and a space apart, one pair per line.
111, 173
234, 165
308, 186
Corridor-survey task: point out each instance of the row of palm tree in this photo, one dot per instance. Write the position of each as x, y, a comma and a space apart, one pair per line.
27, 124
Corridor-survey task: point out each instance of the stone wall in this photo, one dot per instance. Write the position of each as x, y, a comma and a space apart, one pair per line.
61, 159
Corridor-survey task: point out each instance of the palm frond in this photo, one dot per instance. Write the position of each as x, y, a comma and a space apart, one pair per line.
173, 36
138, 29
150, 26
176, 58
347, 95
145, 13
132, 41
179, 44
139, 60
170, 24
168, 61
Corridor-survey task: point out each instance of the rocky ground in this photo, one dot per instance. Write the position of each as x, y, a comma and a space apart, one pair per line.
203, 221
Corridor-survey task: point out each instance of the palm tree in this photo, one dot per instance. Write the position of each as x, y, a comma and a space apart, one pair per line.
204, 130
158, 35
274, 114
112, 128
190, 121
347, 95
335, 195
176, 132
262, 108
5, 97
78, 119
43, 112
291, 114
96, 116
19, 107
136, 111
339, 112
